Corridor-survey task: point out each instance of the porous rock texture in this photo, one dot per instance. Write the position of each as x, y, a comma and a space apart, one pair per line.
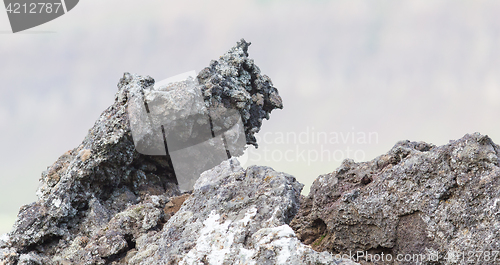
207, 119
441, 202
105, 203
235, 80
234, 216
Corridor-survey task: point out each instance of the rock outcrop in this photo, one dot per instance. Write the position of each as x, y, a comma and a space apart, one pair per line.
234, 216
105, 203
419, 201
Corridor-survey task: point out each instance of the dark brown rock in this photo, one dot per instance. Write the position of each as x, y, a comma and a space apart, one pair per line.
416, 199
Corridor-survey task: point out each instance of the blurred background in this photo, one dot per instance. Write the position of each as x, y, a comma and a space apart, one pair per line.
356, 76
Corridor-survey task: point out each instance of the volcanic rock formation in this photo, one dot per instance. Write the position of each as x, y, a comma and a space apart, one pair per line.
105, 202
439, 204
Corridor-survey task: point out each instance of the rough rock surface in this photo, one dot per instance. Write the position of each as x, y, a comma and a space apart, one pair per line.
234, 80
206, 119
234, 216
416, 199
105, 203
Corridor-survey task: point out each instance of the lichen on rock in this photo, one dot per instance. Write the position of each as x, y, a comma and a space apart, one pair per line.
238, 218
106, 203
418, 199
98, 199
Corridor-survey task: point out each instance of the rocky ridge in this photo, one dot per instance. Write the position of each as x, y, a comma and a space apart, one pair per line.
105, 203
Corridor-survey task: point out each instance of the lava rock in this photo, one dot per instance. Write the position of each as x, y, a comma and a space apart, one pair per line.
418, 199
234, 80
234, 216
97, 200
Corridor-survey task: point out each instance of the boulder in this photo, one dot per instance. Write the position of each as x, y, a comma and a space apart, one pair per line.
425, 203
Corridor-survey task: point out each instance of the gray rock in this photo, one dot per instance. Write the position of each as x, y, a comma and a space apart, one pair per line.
90, 184
207, 119
105, 203
234, 80
97, 200
234, 216
8, 255
441, 202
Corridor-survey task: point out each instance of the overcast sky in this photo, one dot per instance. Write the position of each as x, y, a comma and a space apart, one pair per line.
355, 76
